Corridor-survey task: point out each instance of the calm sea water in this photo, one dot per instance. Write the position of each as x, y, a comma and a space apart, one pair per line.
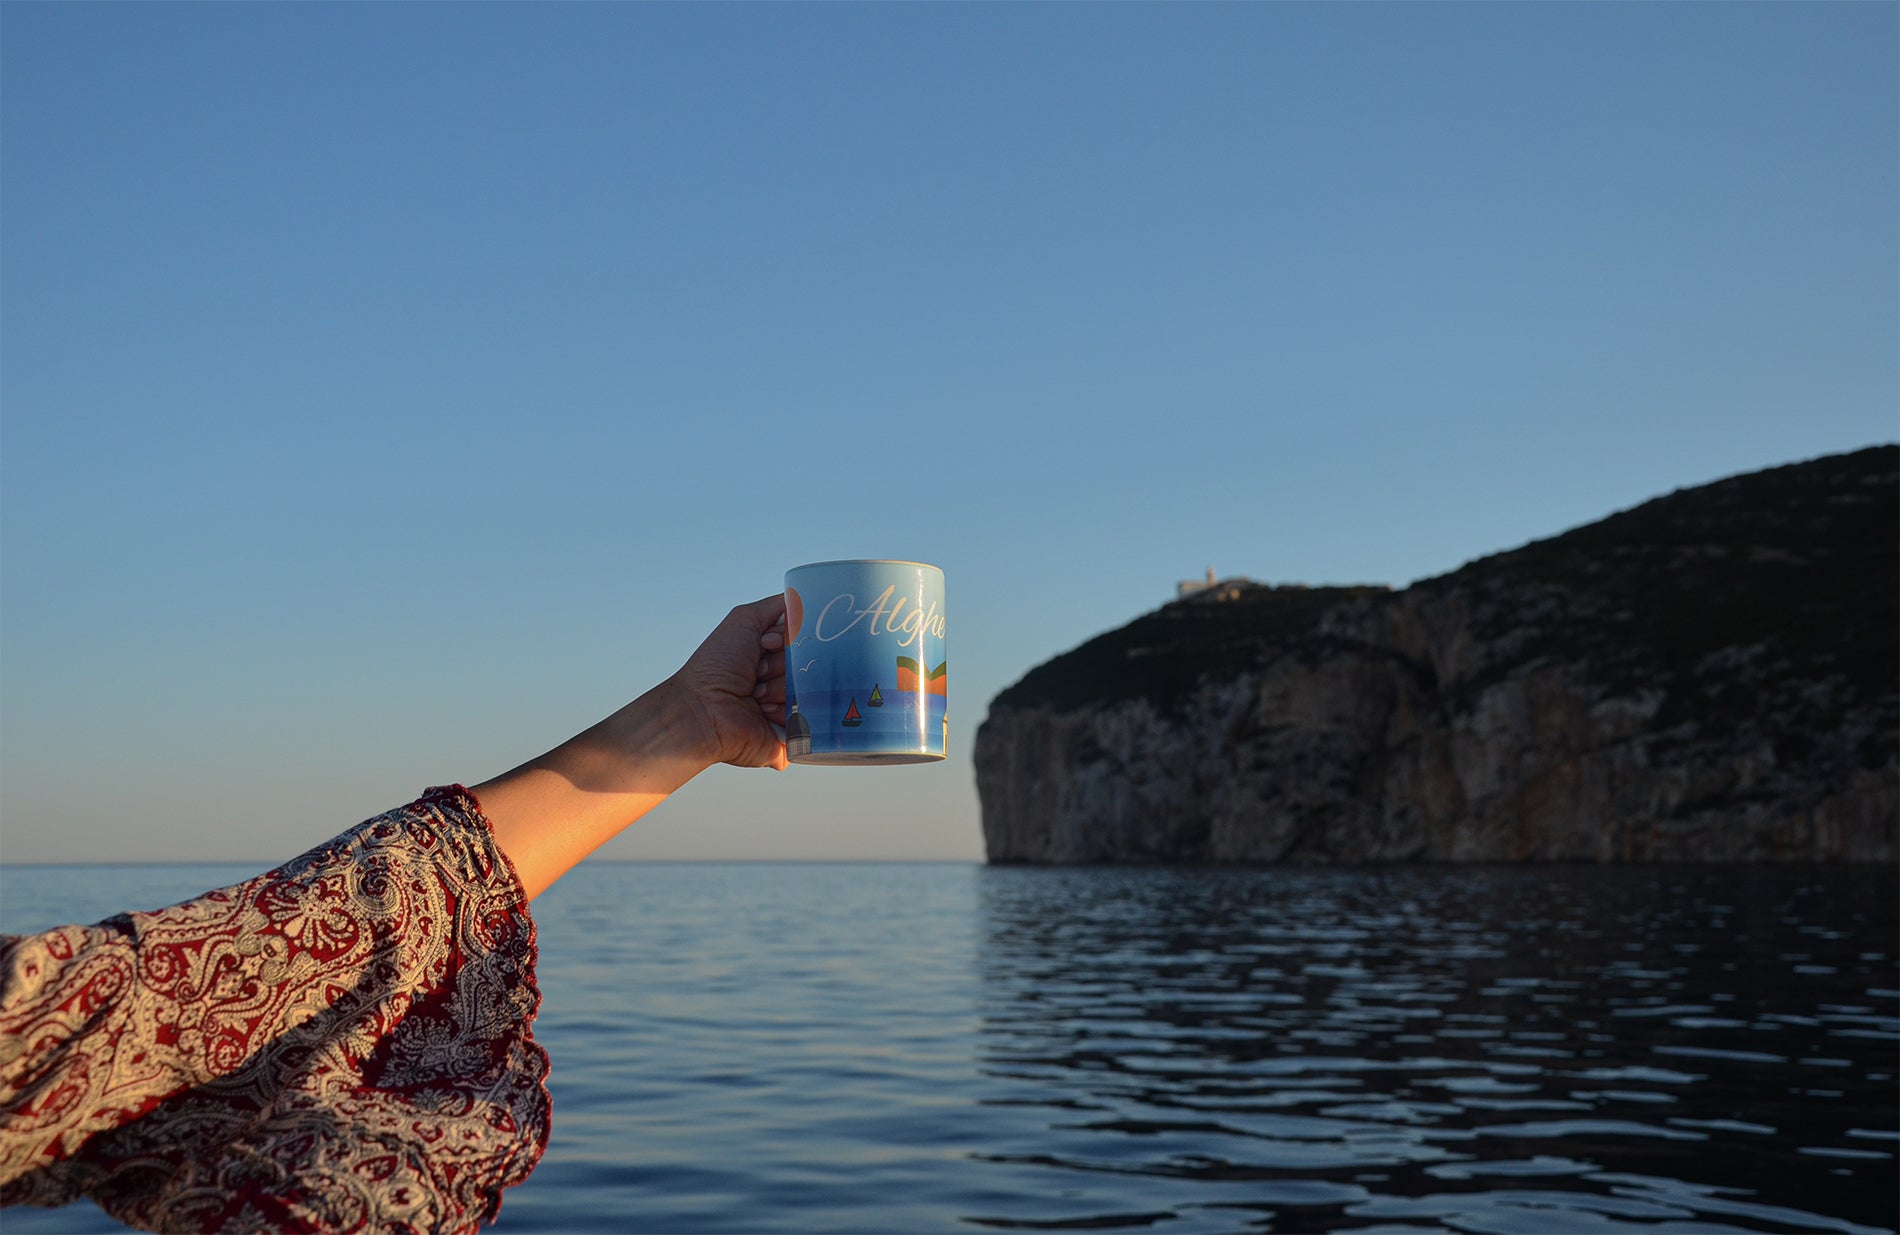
913, 1048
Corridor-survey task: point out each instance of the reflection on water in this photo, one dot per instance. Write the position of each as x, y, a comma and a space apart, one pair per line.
917, 1048
1488, 1050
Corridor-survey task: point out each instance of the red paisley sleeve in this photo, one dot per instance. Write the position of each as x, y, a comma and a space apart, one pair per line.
341, 1044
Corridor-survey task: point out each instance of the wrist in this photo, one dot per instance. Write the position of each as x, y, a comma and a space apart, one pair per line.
551, 812
658, 742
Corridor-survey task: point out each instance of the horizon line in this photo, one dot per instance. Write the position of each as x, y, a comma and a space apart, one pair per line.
7, 865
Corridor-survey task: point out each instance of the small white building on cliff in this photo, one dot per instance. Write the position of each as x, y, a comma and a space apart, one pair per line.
1212, 584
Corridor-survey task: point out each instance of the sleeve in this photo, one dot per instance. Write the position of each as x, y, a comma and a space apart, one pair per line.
341, 1044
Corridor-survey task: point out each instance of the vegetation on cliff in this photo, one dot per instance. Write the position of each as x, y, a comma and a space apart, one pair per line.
1163, 656
1795, 570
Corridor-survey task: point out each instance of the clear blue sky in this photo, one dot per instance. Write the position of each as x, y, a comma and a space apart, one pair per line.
389, 391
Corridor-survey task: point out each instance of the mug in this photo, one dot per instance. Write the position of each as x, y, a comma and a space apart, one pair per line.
866, 680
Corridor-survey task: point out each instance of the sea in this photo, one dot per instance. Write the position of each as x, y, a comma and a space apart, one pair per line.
814, 1047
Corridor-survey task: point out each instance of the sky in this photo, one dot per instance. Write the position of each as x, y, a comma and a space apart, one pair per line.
387, 392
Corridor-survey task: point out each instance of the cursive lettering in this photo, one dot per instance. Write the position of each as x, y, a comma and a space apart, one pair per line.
841, 615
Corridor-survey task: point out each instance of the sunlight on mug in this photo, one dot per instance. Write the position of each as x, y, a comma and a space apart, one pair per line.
865, 674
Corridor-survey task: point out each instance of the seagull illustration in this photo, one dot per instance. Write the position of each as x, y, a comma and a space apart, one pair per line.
808, 664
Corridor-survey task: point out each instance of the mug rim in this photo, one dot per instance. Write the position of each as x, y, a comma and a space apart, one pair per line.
867, 561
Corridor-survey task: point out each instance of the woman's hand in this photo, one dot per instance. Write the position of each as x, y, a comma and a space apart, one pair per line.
736, 681
725, 705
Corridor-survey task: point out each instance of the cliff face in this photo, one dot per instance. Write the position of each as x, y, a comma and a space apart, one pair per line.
1712, 676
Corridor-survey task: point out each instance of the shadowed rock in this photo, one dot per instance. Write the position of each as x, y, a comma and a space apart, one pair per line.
1711, 676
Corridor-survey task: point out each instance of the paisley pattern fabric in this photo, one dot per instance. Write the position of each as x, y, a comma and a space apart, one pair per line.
341, 1044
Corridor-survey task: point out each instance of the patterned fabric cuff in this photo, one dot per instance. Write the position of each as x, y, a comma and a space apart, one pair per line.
342, 1043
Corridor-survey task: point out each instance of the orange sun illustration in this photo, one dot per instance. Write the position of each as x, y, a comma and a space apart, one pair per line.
794, 615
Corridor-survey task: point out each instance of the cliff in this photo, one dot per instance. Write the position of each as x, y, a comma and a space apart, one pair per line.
1712, 676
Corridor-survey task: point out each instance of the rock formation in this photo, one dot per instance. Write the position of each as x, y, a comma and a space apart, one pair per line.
1713, 676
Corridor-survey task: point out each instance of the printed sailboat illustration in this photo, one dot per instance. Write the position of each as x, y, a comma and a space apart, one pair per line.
852, 719
877, 698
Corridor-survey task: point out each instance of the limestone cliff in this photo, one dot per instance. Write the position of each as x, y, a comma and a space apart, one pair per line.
1711, 676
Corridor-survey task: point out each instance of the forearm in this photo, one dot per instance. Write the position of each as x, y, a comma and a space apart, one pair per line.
552, 811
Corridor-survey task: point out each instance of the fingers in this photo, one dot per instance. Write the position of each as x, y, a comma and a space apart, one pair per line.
773, 640
770, 689
764, 619
772, 646
774, 756
762, 614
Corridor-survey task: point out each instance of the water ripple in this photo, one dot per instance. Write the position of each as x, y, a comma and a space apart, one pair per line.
941, 1048
1649, 1041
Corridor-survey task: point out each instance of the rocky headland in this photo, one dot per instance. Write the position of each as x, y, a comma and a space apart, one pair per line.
1712, 676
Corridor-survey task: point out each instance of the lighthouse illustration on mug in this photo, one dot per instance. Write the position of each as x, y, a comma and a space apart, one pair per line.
866, 677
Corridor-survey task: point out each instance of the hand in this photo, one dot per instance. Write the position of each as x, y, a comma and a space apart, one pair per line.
736, 683
725, 705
